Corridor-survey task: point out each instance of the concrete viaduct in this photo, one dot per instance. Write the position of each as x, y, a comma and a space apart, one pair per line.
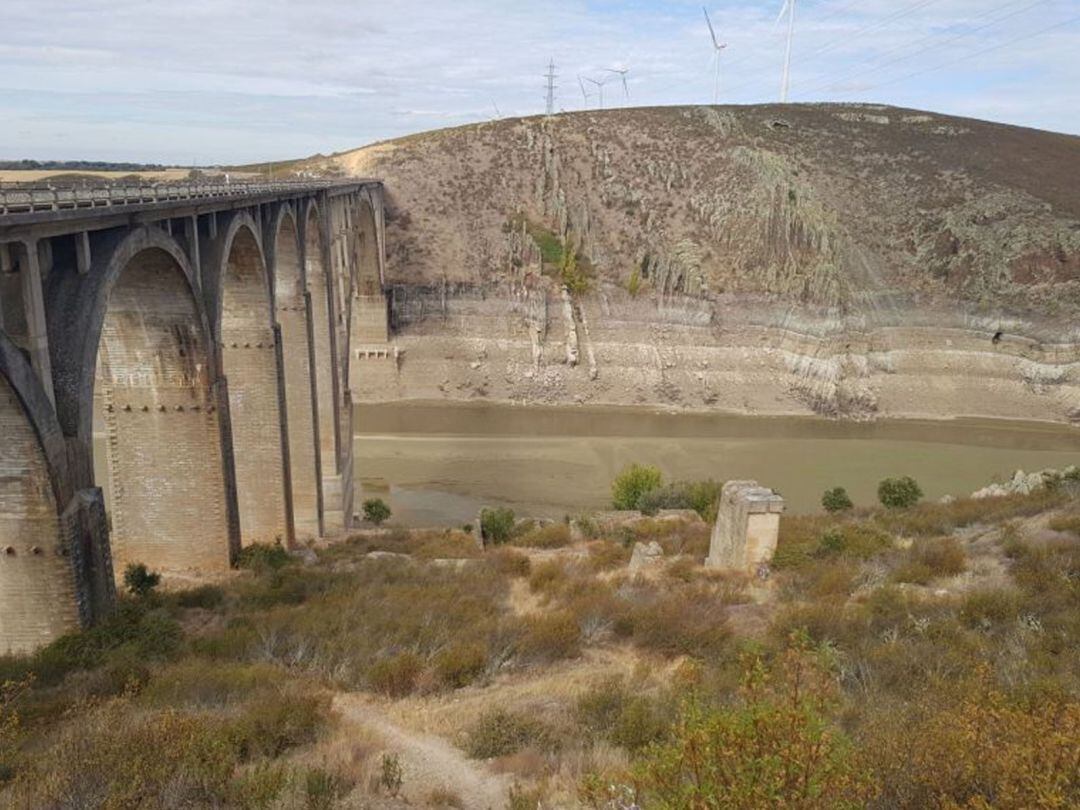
175, 381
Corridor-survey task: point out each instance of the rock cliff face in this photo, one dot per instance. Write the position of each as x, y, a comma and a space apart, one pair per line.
839, 259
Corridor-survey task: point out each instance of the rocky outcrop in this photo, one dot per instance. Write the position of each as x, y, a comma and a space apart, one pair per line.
1023, 483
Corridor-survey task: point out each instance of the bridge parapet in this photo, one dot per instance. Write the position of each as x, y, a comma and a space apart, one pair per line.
32, 200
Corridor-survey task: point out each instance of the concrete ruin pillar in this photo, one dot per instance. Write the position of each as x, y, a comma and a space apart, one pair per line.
747, 527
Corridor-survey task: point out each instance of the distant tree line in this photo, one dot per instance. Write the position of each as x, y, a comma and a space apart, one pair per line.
79, 165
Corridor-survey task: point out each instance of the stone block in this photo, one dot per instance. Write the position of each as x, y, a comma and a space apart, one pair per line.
747, 527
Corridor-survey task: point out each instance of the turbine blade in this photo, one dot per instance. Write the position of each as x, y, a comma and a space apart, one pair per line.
783, 11
708, 22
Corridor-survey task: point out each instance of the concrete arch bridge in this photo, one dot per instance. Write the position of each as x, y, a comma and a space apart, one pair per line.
174, 381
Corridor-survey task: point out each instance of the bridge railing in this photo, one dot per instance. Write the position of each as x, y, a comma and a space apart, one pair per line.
29, 200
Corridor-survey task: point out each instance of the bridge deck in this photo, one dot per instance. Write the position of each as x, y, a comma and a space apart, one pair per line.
36, 206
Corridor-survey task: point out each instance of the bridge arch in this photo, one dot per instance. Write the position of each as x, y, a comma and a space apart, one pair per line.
290, 303
159, 453
38, 589
246, 336
317, 278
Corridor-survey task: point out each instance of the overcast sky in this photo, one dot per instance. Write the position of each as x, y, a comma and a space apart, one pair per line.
213, 81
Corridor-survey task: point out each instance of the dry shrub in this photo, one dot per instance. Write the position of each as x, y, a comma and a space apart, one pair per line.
550, 637
499, 732
681, 568
681, 621
631, 721
989, 608
381, 624
115, 756
605, 555
596, 611
979, 749
931, 558
460, 664
548, 577
396, 675
675, 535
831, 622
553, 535
508, 562
937, 519
444, 798
825, 580
1066, 523
450, 544
200, 683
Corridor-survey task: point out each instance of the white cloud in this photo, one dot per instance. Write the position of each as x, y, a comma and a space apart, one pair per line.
238, 80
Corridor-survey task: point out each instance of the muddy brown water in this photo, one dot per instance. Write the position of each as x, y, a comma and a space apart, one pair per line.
439, 463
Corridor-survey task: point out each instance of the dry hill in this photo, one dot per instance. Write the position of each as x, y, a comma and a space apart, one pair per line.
816, 222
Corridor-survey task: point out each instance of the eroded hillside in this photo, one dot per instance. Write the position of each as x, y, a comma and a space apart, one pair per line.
847, 260
847, 206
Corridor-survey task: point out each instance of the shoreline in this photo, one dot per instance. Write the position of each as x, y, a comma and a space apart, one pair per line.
390, 417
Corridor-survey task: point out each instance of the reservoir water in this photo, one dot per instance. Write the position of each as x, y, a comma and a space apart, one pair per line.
438, 463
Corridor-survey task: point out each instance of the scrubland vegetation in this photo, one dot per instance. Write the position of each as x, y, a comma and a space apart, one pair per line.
926, 656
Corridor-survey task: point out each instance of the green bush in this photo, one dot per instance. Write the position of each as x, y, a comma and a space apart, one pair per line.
204, 596
139, 580
855, 541
836, 500
633, 482
376, 511
131, 631
263, 557
775, 748
899, 493
497, 525
700, 496
611, 712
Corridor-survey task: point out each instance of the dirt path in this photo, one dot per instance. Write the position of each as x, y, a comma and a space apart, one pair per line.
429, 762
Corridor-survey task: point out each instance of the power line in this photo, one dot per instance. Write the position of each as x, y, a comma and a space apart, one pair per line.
873, 68
971, 55
833, 43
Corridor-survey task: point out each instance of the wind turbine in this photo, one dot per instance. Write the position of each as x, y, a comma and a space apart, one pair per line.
600, 88
622, 72
718, 47
584, 95
785, 82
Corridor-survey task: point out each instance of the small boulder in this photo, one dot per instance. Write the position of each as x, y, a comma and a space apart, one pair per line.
387, 555
645, 555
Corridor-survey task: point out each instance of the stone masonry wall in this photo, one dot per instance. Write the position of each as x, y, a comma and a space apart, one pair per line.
292, 317
163, 441
37, 593
250, 364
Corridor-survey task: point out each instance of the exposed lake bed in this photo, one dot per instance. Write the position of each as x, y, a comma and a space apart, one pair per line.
437, 463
